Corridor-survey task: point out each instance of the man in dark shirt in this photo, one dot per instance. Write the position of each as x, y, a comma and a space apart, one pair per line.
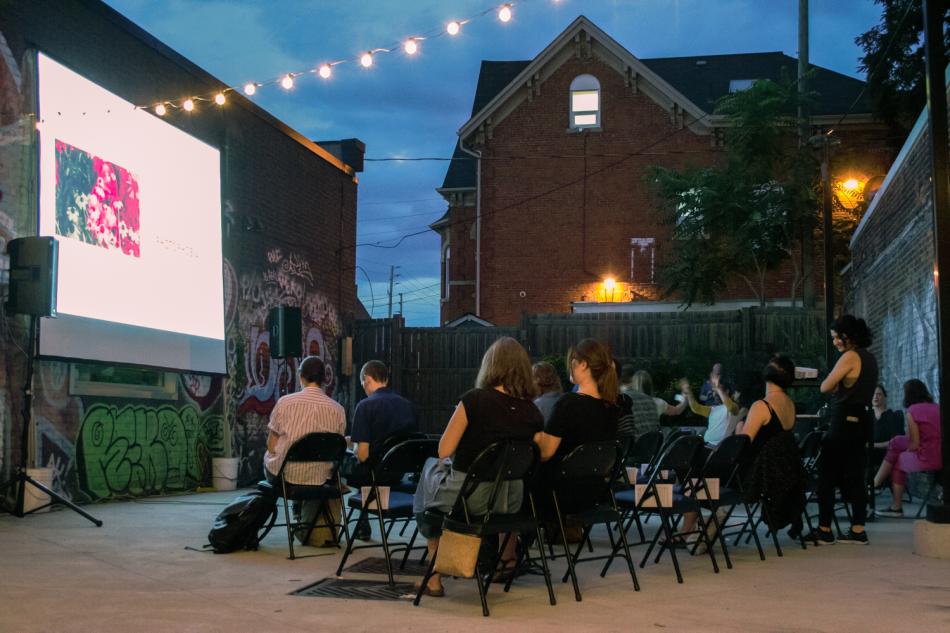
382, 414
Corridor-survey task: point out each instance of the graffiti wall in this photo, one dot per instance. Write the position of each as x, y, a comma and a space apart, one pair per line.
255, 380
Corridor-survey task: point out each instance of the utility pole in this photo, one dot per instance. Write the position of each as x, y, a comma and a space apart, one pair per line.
804, 132
392, 282
825, 143
936, 62
400, 303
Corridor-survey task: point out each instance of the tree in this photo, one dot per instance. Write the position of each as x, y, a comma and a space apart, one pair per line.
746, 217
894, 60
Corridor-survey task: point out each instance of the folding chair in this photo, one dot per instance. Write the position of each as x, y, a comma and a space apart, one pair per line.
592, 467
507, 461
643, 452
407, 457
934, 482
314, 447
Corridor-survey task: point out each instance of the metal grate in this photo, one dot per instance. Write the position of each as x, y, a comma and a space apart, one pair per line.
377, 565
348, 589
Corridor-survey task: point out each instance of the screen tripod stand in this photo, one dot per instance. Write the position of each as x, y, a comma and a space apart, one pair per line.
21, 478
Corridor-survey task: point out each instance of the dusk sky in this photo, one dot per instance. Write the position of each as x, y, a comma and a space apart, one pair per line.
412, 107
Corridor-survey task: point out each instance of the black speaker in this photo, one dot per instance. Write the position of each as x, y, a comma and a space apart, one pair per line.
286, 328
33, 265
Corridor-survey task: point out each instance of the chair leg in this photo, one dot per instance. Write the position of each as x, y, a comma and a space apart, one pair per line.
626, 555
778, 547
412, 541
383, 534
567, 551
704, 536
349, 543
926, 498
544, 562
290, 528
656, 539
577, 552
426, 577
722, 540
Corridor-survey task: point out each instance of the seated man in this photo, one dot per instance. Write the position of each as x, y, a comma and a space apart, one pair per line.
382, 414
309, 410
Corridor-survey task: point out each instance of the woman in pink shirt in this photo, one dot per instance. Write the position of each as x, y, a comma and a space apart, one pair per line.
917, 451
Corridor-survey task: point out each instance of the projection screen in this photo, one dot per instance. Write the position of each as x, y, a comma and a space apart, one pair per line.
135, 204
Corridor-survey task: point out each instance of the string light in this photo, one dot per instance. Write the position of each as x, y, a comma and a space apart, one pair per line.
325, 71
250, 88
410, 46
453, 27
366, 60
287, 82
188, 105
219, 98
160, 109
504, 13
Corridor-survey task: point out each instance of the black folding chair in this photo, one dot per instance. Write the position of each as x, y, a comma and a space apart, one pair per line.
641, 454
590, 467
500, 462
405, 458
314, 447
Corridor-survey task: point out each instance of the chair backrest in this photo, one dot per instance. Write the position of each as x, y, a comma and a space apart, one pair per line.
723, 462
679, 456
317, 447
811, 445
589, 461
646, 449
407, 457
499, 462
378, 452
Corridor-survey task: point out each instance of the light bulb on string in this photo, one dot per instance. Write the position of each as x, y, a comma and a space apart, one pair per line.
325, 71
287, 82
366, 60
504, 13
453, 27
410, 46
160, 109
250, 88
188, 105
219, 98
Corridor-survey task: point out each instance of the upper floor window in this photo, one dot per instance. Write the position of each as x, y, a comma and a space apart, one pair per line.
446, 267
738, 85
585, 102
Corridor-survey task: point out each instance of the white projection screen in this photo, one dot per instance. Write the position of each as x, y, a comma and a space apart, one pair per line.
135, 205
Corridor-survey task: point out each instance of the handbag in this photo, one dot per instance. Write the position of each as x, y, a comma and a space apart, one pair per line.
457, 554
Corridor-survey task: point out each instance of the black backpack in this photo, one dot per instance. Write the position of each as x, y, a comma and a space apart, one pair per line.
238, 525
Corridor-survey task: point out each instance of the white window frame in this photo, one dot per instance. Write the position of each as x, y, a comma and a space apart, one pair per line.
637, 246
582, 85
446, 261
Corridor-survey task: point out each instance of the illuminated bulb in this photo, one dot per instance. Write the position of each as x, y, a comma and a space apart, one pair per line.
250, 88
610, 283
287, 82
160, 109
453, 27
366, 60
410, 46
851, 184
325, 71
219, 98
504, 13
188, 105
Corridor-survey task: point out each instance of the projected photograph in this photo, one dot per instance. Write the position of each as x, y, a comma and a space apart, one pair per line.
97, 201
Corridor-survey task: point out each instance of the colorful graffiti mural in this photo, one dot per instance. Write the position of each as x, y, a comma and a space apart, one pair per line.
138, 449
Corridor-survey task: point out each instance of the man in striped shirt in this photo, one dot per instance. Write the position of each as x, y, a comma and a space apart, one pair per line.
309, 410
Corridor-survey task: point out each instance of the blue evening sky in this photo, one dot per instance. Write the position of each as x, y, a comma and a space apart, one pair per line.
412, 107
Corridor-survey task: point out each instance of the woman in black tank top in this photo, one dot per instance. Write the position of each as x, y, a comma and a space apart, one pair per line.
843, 462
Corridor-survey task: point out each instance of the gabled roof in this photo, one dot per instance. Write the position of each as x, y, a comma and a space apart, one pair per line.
696, 83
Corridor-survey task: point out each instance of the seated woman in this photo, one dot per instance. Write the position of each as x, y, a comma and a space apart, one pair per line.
722, 418
549, 387
771, 467
588, 415
917, 451
498, 409
643, 382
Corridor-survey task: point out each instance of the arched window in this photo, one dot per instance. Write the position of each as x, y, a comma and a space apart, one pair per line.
585, 102
446, 266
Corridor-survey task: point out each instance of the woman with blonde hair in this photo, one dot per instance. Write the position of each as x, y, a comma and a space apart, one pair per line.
499, 408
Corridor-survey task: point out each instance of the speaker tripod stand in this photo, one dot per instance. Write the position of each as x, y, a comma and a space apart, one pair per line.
21, 478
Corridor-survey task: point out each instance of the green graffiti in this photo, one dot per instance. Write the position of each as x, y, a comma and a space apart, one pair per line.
140, 450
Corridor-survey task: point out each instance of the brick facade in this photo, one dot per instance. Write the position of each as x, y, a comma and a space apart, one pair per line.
561, 207
289, 229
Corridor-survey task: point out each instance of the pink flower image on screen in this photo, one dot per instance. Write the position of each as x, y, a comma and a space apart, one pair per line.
97, 201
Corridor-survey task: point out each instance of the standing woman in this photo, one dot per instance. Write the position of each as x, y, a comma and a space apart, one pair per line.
843, 463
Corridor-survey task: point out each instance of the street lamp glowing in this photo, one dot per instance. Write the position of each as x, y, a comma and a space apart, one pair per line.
851, 184
609, 284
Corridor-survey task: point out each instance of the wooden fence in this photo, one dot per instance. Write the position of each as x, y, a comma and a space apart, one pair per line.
434, 366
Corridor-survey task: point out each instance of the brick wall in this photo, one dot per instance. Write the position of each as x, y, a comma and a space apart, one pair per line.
289, 226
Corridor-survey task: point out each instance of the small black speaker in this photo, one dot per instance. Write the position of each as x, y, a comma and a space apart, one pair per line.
285, 326
33, 265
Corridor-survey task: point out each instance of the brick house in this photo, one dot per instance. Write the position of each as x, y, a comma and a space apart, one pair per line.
547, 195
288, 230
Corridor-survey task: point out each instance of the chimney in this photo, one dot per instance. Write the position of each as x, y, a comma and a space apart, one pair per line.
348, 150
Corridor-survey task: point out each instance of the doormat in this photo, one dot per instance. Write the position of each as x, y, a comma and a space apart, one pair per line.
377, 565
347, 589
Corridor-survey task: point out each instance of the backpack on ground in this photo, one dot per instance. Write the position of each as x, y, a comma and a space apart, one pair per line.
237, 526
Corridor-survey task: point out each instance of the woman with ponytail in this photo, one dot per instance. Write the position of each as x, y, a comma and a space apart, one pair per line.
843, 462
591, 413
